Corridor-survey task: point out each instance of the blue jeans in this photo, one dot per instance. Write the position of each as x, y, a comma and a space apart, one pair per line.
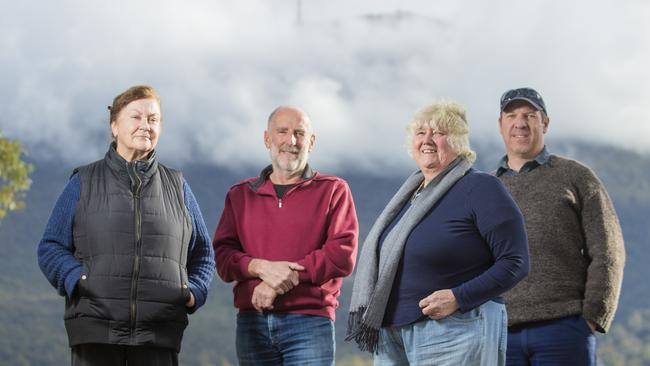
477, 337
564, 341
284, 339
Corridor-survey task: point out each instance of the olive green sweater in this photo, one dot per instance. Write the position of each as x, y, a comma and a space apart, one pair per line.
575, 242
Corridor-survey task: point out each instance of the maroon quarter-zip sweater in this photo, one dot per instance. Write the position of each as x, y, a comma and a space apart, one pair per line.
313, 224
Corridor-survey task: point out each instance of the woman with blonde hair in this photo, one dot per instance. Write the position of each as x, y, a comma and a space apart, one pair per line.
432, 269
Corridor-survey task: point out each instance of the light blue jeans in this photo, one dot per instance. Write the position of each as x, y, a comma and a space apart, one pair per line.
478, 337
284, 339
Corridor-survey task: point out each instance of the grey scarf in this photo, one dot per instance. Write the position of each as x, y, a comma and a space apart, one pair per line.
374, 278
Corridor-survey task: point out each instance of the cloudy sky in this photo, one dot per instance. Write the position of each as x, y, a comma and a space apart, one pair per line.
359, 68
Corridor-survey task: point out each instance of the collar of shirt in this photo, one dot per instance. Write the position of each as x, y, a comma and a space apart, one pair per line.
539, 160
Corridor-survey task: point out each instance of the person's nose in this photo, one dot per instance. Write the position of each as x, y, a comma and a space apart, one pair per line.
428, 137
144, 124
293, 140
520, 122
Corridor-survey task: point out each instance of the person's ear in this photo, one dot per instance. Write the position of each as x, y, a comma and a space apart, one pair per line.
267, 139
312, 142
545, 121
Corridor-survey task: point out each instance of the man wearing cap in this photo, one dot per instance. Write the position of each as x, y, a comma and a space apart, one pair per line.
575, 242
287, 238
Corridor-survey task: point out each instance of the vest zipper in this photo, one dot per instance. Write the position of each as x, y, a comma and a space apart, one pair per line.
138, 248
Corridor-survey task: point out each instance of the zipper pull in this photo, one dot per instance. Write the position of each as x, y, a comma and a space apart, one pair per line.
280, 202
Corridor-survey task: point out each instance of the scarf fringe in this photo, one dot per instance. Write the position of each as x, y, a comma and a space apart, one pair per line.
366, 337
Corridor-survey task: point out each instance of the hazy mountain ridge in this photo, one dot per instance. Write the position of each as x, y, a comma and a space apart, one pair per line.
31, 326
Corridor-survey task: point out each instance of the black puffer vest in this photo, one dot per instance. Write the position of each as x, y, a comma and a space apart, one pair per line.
131, 235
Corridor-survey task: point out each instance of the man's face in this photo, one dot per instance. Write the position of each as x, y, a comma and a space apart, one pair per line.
522, 129
289, 140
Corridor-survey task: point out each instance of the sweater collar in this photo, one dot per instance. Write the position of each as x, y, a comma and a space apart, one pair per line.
255, 185
539, 160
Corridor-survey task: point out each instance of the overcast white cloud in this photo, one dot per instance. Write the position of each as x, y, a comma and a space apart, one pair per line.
360, 69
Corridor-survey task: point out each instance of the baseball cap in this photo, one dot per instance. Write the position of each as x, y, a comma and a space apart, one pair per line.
528, 94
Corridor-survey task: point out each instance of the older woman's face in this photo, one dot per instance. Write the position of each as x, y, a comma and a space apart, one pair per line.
431, 151
136, 129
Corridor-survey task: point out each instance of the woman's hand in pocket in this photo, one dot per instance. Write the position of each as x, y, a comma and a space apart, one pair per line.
190, 303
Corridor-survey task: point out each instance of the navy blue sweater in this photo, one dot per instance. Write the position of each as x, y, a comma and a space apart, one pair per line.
63, 270
473, 241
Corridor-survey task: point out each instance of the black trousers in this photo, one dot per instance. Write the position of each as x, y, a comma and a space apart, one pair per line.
94, 354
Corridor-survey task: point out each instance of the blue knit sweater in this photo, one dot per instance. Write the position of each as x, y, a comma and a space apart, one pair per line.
63, 270
473, 242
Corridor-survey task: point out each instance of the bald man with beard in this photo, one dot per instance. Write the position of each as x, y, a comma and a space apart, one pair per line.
287, 238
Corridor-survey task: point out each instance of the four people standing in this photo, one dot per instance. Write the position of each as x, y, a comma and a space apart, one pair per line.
127, 246
575, 240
